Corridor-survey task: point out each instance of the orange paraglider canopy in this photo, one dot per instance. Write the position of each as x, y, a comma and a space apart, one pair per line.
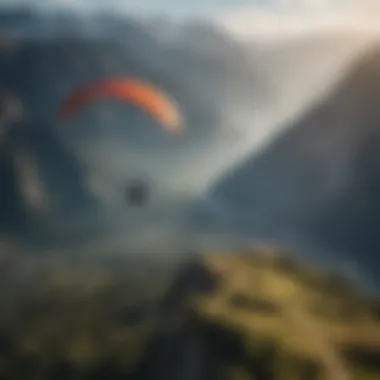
141, 94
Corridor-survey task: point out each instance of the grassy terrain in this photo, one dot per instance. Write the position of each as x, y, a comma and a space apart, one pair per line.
269, 318
76, 318
308, 318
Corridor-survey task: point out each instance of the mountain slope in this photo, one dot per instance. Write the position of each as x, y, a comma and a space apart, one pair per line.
319, 182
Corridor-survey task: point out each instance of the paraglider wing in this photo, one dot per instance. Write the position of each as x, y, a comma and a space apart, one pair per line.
143, 95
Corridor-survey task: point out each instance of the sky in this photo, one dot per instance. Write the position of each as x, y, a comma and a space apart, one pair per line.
211, 7
242, 17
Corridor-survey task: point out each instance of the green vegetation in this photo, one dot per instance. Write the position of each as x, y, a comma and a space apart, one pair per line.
318, 325
271, 318
58, 312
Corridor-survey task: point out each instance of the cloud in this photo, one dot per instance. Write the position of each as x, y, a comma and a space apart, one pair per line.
289, 18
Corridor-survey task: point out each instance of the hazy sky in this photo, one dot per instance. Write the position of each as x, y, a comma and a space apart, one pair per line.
243, 16
209, 6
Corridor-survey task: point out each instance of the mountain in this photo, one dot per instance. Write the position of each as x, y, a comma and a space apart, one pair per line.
217, 82
317, 185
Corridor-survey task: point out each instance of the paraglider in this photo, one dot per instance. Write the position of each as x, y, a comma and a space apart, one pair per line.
141, 94
137, 193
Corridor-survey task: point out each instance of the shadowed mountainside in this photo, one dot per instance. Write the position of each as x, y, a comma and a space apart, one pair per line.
319, 182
